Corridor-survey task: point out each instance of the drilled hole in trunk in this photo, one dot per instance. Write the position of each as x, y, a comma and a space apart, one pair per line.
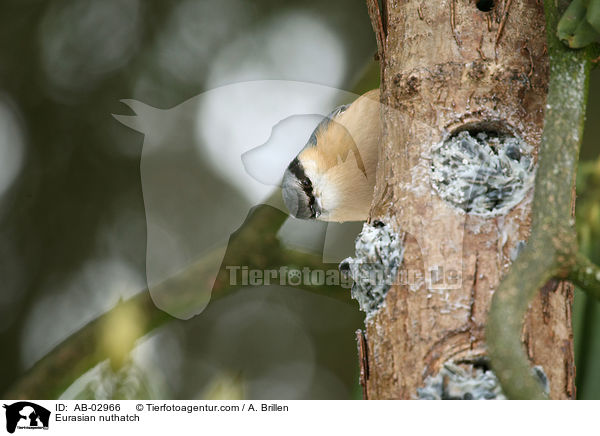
482, 169
484, 5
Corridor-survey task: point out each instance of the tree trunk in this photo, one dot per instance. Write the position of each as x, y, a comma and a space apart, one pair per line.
452, 66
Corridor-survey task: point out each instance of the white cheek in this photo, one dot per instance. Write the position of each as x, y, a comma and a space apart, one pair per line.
323, 190
326, 195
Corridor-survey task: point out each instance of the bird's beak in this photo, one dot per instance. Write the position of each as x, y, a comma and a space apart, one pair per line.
318, 207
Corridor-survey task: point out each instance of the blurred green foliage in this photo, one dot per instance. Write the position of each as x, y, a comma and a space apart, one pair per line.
586, 310
73, 233
580, 23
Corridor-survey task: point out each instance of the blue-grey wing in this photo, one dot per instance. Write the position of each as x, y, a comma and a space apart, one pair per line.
312, 141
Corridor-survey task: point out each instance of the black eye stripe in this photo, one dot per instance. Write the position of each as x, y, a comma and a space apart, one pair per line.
297, 170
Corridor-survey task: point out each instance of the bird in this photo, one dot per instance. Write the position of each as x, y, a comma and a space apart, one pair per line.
333, 176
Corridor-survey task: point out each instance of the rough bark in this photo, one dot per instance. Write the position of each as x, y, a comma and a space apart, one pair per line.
448, 66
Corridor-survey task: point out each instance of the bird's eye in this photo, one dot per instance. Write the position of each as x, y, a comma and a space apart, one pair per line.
305, 183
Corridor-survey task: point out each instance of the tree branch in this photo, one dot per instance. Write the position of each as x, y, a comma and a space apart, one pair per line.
51, 375
552, 247
586, 275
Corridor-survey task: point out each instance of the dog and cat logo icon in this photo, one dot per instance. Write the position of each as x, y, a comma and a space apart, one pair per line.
26, 415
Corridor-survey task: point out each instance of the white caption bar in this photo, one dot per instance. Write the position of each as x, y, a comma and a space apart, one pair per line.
296, 417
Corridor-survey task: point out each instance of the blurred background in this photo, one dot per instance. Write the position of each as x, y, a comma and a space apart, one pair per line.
73, 237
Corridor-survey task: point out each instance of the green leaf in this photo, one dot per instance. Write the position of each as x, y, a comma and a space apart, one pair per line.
571, 19
593, 14
584, 35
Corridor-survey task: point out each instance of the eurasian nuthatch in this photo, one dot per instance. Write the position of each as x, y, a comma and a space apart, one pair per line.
333, 177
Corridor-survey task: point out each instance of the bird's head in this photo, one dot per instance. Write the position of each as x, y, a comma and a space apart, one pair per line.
299, 192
